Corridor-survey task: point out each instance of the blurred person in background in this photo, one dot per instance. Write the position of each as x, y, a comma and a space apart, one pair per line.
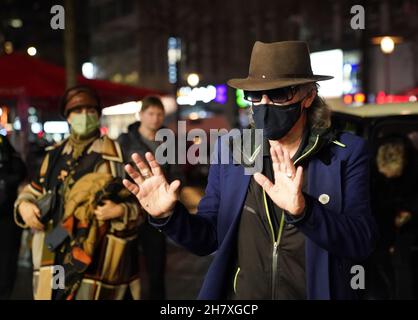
140, 139
83, 218
396, 210
12, 174
36, 153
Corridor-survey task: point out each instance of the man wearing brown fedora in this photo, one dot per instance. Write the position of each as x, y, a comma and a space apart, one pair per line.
294, 230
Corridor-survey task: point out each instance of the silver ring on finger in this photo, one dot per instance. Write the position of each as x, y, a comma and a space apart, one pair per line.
146, 174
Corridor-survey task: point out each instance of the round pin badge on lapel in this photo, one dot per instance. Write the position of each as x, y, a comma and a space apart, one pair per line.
324, 198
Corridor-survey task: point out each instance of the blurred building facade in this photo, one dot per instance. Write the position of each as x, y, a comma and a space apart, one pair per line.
126, 40
129, 38
24, 24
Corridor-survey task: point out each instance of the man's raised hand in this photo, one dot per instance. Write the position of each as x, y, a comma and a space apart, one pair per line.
150, 186
286, 191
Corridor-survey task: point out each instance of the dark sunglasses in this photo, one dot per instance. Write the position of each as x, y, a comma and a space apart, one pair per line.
80, 108
280, 95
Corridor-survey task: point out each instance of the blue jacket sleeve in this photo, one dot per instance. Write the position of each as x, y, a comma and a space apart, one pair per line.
196, 232
351, 233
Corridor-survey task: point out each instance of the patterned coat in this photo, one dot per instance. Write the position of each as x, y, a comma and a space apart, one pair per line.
109, 269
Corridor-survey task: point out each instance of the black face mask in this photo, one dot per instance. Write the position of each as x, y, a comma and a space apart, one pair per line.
276, 120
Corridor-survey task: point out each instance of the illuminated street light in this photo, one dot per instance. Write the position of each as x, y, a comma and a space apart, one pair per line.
131, 107
387, 45
8, 47
16, 23
88, 70
32, 51
193, 79
56, 127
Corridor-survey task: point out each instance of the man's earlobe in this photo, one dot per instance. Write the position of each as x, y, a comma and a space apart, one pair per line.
310, 99
307, 102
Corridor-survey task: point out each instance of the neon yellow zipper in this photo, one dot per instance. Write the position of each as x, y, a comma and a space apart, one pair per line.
265, 198
342, 145
269, 220
309, 151
235, 279
276, 242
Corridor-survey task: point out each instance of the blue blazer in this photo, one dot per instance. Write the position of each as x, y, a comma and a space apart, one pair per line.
339, 234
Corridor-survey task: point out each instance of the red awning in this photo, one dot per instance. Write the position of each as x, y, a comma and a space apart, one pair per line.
37, 80
411, 92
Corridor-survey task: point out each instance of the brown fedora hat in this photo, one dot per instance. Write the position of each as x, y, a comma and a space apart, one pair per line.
278, 65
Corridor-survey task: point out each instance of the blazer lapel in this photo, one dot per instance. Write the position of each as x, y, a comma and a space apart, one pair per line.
234, 191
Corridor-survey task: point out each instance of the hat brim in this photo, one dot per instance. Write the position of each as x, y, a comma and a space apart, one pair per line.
66, 112
265, 84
